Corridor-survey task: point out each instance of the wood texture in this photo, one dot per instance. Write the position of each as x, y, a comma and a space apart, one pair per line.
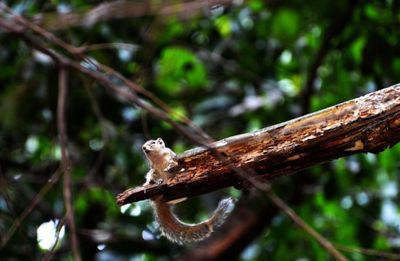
370, 123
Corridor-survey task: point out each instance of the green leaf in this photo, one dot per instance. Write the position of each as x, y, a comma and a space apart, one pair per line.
179, 68
178, 112
357, 48
256, 5
285, 25
224, 26
372, 12
173, 29
95, 195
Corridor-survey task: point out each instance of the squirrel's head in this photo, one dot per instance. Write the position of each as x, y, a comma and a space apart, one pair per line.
153, 145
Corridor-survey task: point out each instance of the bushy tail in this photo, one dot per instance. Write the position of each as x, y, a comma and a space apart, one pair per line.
224, 208
180, 232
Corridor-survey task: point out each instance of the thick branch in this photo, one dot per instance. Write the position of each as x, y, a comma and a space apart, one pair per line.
367, 124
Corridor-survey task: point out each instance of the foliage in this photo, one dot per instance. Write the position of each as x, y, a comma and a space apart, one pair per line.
231, 70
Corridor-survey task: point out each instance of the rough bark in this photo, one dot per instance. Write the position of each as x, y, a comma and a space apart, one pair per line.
370, 123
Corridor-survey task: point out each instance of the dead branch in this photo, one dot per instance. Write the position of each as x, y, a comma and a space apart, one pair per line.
126, 9
370, 123
101, 73
65, 162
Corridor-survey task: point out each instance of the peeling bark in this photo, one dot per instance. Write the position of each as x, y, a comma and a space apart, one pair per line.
370, 123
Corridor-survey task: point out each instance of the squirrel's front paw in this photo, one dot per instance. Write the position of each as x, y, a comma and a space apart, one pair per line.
153, 182
158, 181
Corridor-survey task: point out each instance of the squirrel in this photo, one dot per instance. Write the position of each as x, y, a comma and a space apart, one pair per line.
161, 159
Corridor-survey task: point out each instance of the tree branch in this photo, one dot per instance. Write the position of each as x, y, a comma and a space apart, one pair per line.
65, 162
126, 9
101, 73
366, 124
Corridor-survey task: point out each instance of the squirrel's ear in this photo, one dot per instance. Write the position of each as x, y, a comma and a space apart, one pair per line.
159, 140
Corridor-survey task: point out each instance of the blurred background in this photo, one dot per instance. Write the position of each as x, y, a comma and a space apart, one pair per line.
231, 67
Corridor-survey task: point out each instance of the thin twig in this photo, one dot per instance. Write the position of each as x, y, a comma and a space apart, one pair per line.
126, 9
3, 189
53, 180
368, 252
303, 225
167, 114
102, 46
65, 162
249, 176
49, 255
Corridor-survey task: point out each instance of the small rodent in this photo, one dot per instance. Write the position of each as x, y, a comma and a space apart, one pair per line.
161, 159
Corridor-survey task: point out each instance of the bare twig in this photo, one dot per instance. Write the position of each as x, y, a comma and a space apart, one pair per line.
102, 46
368, 252
303, 225
126, 9
53, 180
3, 189
49, 255
65, 162
166, 113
